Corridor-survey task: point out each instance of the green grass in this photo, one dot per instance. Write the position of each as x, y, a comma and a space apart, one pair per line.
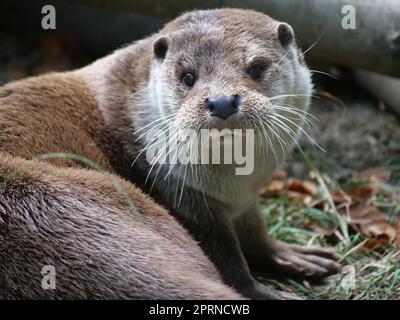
376, 271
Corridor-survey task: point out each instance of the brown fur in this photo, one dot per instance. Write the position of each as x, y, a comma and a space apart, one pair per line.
74, 219
94, 112
218, 46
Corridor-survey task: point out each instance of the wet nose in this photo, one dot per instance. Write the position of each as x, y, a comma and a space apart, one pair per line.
224, 106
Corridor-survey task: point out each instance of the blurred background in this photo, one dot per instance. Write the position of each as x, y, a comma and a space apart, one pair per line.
355, 70
347, 195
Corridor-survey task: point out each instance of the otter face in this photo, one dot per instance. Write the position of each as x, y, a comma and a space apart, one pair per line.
230, 69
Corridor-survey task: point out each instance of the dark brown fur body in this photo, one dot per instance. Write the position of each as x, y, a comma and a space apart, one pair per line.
74, 219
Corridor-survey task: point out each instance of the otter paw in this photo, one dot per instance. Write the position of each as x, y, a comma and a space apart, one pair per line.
306, 261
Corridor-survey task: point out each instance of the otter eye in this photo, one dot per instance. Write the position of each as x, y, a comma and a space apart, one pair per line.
256, 71
188, 79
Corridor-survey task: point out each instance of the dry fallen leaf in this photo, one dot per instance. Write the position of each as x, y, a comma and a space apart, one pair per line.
280, 175
398, 235
374, 244
375, 175
339, 196
371, 221
296, 190
276, 185
355, 193
355, 202
306, 187
297, 196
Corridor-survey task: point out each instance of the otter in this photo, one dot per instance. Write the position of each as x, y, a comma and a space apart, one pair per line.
102, 236
211, 69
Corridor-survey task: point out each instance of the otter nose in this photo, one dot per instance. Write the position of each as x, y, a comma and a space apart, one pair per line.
223, 107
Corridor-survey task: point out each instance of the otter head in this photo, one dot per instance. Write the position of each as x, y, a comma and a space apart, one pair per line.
226, 69
229, 68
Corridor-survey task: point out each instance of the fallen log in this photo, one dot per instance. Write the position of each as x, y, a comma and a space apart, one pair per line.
384, 88
373, 45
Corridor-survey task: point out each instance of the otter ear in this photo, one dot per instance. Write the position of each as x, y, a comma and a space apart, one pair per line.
160, 47
285, 34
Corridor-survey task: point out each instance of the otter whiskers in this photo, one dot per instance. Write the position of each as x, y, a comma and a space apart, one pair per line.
302, 53
151, 143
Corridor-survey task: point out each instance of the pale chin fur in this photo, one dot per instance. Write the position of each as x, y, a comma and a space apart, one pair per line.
222, 184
